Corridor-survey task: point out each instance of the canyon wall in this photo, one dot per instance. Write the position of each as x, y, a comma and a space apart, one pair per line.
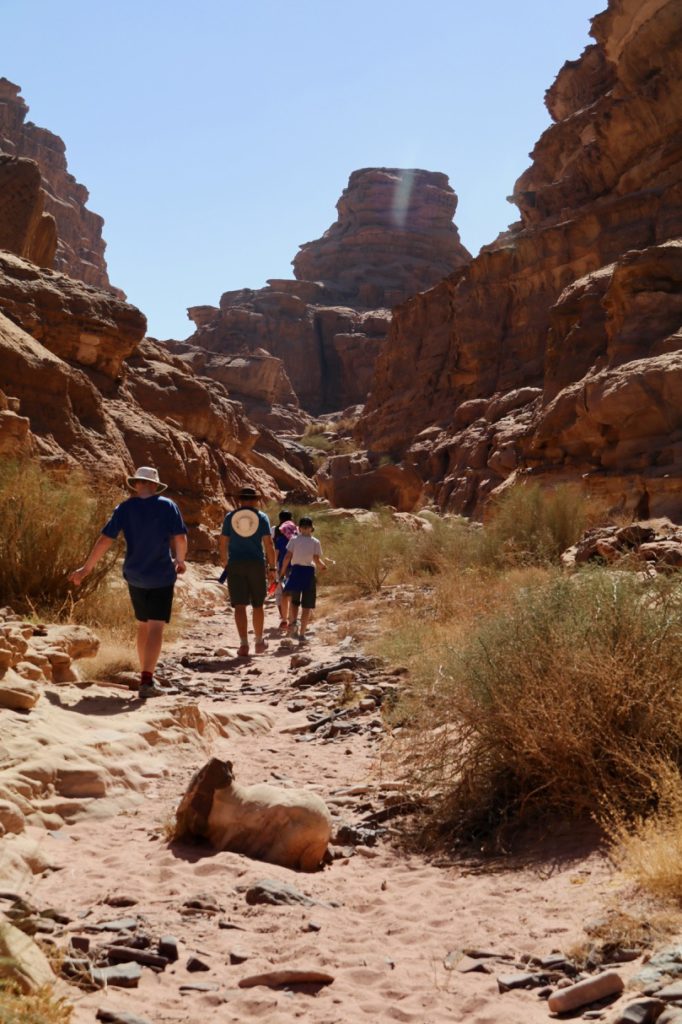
554, 353
79, 245
82, 388
394, 236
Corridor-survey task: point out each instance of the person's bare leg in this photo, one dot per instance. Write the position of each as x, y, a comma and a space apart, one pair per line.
258, 621
285, 608
305, 619
142, 630
258, 616
242, 624
152, 646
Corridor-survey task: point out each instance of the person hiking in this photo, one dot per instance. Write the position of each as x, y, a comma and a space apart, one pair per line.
304, 553
245, 540
281, 535
156, 546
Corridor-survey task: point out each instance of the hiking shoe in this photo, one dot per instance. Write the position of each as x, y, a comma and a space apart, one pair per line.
243, 651
302, 638
149, 690
261, 646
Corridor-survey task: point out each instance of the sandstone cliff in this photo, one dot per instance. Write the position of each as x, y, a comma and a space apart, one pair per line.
554, 353
79, 246
81, 386
394, 236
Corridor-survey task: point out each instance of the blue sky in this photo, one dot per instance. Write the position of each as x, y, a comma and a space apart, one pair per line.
215, 137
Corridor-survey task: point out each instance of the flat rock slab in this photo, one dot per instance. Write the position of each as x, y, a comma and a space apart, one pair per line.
643, 1011
120, 1017
120, 976
275, 979
672, 993
278, 894
507, 982
121, 924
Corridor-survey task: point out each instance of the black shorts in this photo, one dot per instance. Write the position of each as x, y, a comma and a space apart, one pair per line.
246, 582
305, 598
152, 602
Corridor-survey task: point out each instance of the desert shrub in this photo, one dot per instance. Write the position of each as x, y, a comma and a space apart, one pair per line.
47, 524
530, 525
568, 691
648, 848
40, 1007
448, 546
367, 554
318, 441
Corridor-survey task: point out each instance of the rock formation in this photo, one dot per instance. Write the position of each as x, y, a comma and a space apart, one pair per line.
394, 236
556, 352
79, 244
80, 385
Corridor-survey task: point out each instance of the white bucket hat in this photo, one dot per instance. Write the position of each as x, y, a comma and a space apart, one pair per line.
148, 475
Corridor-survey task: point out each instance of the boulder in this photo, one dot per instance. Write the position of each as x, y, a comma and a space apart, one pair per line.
22, 962
18, 693
290, 827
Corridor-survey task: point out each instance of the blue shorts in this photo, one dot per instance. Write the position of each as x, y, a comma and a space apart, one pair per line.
301, 586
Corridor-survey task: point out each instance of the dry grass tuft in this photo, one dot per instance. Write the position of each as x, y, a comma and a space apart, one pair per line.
39, 1007
648, 849
47, 521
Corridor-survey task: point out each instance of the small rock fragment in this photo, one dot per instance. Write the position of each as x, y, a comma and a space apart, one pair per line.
238, 956
169, 948
273, 979
195, 964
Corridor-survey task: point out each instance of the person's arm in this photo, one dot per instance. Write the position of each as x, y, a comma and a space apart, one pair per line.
224, 549
319, 563
100, 548
270, 554
180, 549
285, 564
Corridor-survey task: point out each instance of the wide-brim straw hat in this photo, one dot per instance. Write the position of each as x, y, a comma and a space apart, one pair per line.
147, 475
247, 494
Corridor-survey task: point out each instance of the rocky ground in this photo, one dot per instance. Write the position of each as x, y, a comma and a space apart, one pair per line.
176, 933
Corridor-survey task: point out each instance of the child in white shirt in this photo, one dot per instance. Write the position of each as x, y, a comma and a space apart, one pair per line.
304, 553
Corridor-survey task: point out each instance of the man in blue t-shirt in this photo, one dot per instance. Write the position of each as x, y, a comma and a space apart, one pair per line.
151, 525
245, 533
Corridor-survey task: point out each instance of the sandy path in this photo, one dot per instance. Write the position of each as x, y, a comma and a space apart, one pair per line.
398, 916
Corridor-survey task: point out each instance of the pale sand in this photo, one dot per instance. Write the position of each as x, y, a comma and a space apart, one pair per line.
399, 915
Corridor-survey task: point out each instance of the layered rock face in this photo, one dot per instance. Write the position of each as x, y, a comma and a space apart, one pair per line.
394, 236
81, 386
79, 245
554, 353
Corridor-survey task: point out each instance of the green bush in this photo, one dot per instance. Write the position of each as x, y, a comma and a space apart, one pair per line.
560, 702
47, 524
529, 525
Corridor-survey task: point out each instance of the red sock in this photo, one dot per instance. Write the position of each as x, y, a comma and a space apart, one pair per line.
146, 678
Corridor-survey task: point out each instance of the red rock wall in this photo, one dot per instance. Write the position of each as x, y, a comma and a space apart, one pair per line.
80, 247
463, 387
394, 235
